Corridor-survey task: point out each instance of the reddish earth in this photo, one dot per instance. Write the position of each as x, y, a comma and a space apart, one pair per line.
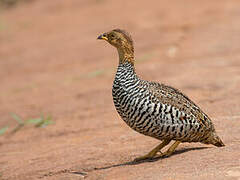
51, 63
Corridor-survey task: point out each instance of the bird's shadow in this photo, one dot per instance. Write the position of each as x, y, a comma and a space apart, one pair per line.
129, 163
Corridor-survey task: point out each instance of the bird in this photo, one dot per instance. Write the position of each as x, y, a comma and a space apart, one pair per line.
155, 109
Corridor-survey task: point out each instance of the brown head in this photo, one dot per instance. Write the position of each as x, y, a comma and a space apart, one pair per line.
123, 42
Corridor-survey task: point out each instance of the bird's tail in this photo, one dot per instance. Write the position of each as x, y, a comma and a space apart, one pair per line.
215, 140
218, 142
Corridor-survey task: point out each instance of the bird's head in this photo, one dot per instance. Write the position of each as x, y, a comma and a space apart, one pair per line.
122, 41
117, 37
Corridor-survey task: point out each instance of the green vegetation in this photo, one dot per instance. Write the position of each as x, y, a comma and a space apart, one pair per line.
39, 122
19, 121
3, 130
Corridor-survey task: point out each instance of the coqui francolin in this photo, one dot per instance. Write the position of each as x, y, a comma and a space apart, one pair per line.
154, 109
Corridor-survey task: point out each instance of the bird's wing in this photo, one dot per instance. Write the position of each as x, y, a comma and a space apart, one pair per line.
171, 96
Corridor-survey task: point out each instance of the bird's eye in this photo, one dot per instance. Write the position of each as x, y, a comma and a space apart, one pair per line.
112, 36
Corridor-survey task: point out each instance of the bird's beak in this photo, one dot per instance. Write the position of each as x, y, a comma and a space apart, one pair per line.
102, 36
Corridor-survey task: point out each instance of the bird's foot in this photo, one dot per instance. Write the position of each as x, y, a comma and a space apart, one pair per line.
153, 152
148, 156
164, 154
169, 151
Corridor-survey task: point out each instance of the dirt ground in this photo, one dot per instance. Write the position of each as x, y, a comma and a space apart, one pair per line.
51, 63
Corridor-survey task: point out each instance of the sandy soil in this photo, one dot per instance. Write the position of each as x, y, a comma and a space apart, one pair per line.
51, 63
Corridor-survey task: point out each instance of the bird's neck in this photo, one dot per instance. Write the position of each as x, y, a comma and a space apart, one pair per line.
125, 72
126, 55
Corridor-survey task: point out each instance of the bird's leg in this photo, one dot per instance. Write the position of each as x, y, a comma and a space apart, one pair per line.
170, 150
153, 152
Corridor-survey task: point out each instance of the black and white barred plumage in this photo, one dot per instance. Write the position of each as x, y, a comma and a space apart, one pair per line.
145, 113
